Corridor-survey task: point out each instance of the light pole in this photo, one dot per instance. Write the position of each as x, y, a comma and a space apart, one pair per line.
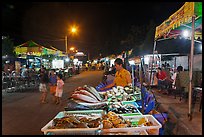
72, 31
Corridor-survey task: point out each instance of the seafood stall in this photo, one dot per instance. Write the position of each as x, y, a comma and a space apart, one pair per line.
114, 112
100, 123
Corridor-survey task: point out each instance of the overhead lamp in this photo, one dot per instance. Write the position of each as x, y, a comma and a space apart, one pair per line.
185, 33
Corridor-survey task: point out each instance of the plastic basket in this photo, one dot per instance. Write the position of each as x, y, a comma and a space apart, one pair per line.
137, 96
74, 131
143, 132
154, 130
131, 102
131, 114
84, 112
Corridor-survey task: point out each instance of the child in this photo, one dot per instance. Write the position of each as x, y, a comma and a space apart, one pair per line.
59, 89
53, 83
43, 85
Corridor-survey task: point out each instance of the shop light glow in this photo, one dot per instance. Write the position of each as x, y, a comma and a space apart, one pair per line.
131, 62
185, 33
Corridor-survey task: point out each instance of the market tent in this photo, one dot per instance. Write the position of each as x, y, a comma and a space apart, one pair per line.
189, 16
32, 48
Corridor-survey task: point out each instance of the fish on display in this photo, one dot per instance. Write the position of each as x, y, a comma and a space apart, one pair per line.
85, 92
84, 98
93, 91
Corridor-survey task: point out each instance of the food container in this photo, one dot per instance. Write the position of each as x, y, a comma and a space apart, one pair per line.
132, 103
74, 131
143, 132
137, 95
118, 108
153, 130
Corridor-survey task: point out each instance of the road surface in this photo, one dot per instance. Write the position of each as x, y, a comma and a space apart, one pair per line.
22, 113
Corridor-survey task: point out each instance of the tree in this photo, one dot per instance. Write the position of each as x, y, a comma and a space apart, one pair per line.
141, 38
148, 43
135, 37
7, 46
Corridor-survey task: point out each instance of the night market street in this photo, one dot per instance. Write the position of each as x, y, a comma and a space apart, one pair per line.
22, 113
107, 68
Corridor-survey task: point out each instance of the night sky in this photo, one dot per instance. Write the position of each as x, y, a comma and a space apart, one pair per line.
102, 25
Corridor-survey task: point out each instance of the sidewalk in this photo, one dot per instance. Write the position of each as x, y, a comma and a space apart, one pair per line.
178, 122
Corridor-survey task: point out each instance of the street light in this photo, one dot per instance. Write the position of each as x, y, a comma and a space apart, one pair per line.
73, 30
72, 49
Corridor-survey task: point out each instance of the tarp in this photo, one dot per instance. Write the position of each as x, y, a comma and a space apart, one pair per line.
180, 46
180, 19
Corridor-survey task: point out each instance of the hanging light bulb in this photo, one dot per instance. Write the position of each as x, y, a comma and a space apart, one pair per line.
185, 33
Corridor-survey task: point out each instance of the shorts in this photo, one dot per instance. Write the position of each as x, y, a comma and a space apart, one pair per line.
43, 87
53, 89
58, 94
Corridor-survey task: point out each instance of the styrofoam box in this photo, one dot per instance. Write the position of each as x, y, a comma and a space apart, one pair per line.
73, 131
156, 125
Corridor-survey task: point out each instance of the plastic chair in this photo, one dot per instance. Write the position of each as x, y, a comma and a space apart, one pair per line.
146, 96
150, 106
161, 118
149, 98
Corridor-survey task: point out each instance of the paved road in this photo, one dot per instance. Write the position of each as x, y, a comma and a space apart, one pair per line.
22, 113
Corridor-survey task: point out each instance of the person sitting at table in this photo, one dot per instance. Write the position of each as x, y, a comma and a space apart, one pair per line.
173, 77
161, 76
122, 76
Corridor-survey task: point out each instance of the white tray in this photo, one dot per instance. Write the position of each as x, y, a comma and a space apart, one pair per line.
143, 132
156, 125
73, 131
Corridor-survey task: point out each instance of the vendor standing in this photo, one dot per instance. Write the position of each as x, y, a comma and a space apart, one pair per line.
122, 76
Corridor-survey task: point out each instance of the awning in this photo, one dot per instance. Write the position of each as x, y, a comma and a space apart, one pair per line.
182, 19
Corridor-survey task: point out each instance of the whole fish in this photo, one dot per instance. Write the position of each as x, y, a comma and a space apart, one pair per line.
84, 98
79, 88
85, 92
72, 105
93, 91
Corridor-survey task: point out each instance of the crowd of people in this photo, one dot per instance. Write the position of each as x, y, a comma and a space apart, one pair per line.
166, 80
49, 81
